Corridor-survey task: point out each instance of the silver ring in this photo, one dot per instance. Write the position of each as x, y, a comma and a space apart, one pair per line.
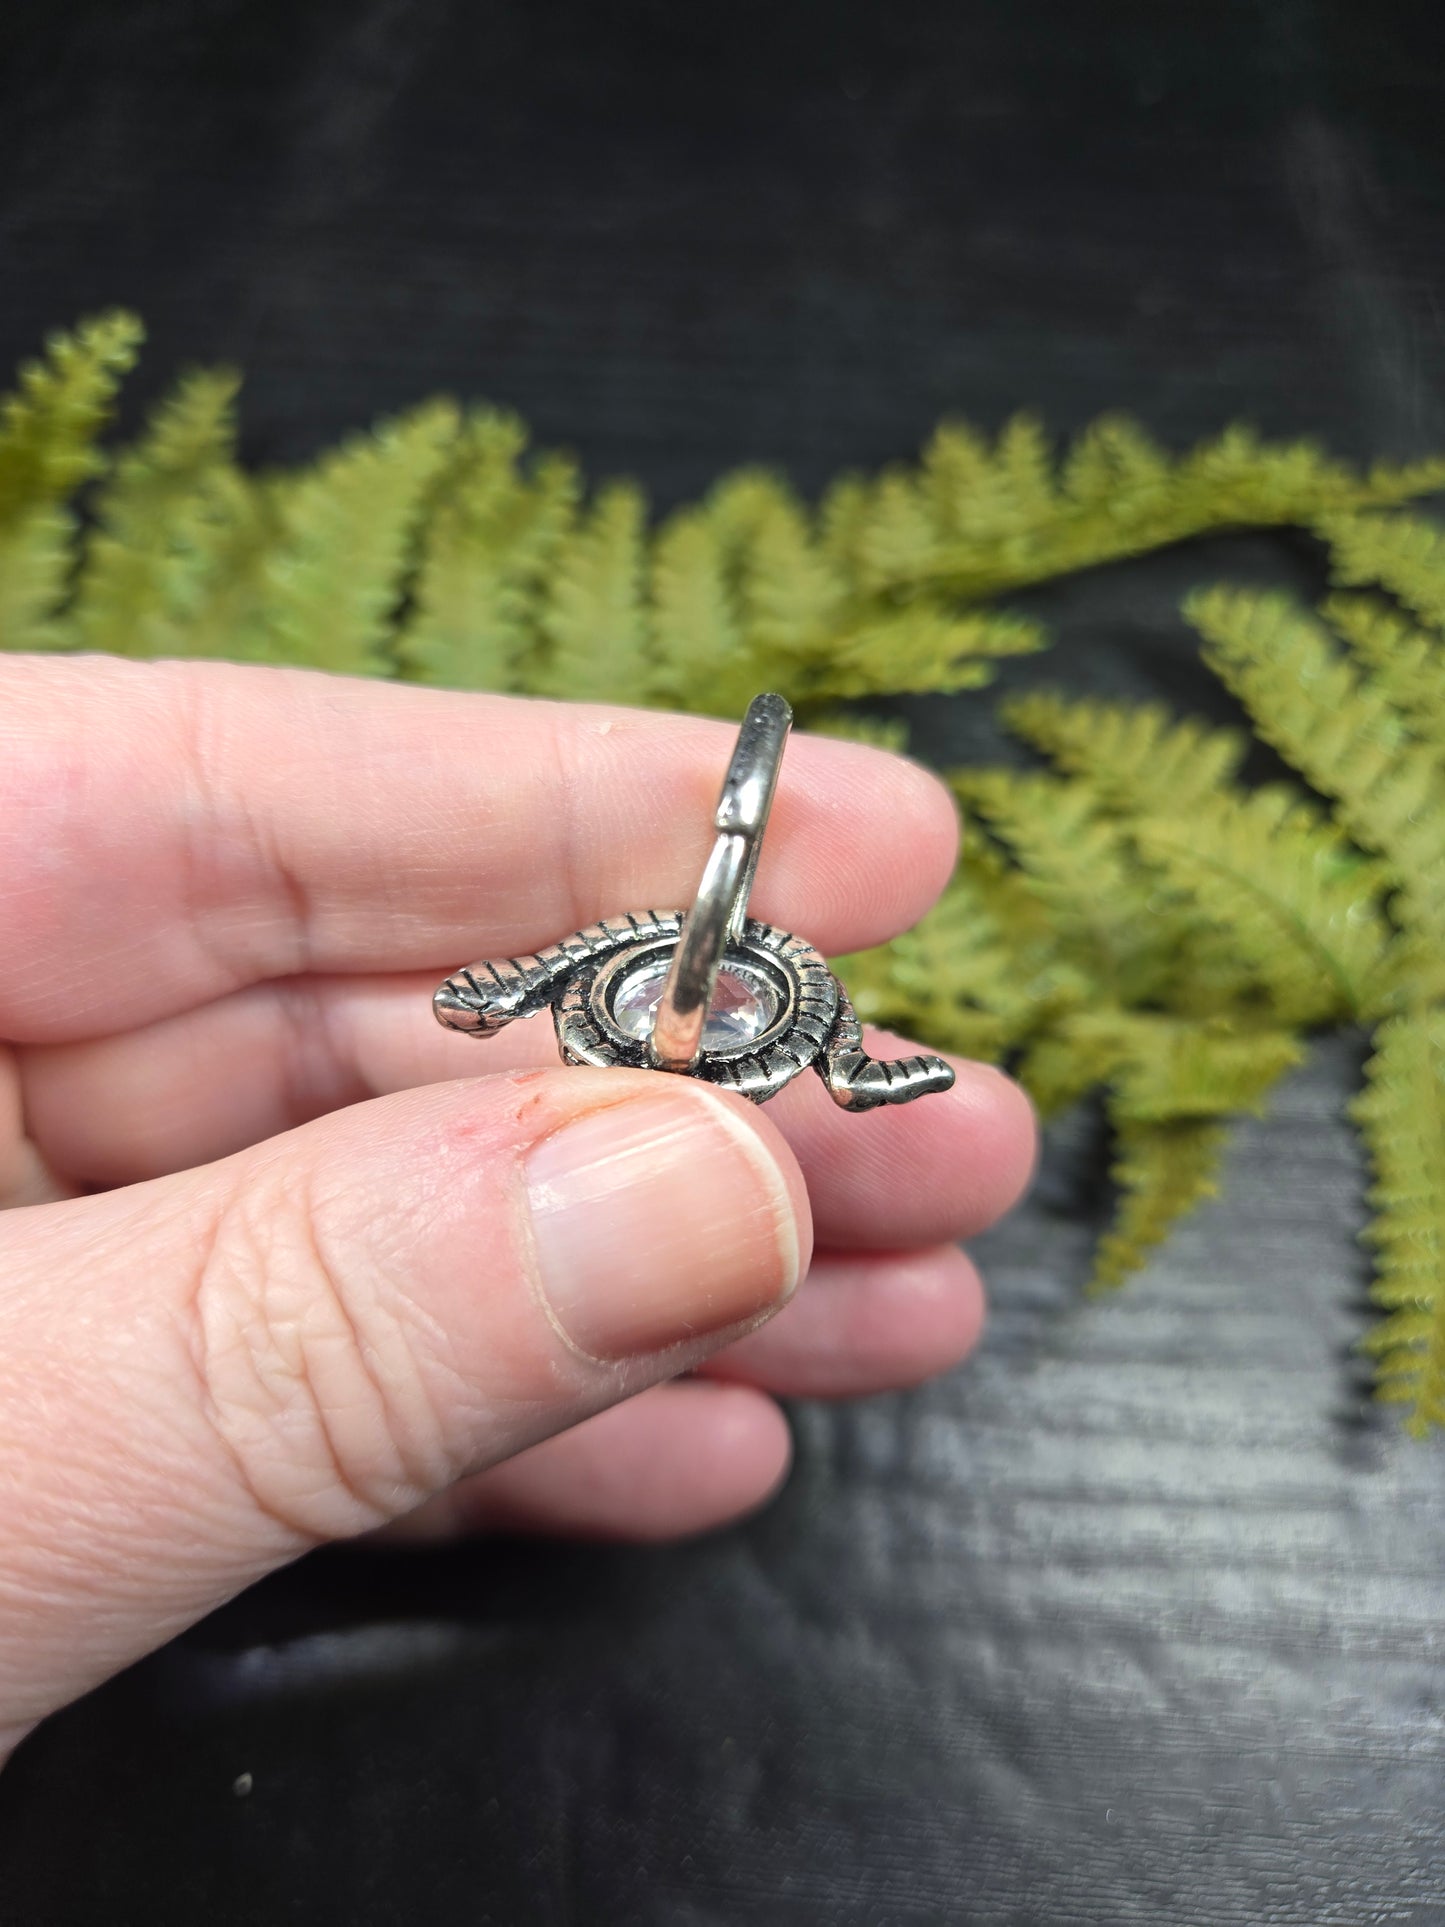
718, 916
708, 994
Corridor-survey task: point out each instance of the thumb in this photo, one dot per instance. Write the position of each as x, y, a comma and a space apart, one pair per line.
204, 1376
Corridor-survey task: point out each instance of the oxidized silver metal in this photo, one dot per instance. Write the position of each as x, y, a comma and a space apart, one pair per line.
806, 1017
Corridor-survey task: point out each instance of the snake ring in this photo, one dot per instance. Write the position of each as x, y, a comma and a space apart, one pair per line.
709, 994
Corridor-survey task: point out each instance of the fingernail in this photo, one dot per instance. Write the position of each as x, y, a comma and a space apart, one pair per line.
658, 1220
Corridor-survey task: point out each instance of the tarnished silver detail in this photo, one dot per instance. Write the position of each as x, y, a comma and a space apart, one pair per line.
579, 979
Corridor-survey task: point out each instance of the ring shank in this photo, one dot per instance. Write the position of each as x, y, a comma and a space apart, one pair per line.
720, 911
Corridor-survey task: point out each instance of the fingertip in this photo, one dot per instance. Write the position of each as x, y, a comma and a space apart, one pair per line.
679, 1460
752, 1436
1001, 1118
865, 1322
914, 1175
940, 826
866, 838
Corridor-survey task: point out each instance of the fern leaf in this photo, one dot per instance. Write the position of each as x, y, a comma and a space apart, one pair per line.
955, 477
485, 548
1162, 1171
162, 524
48, 429
968, 497
1101, 903
894, 537
1058, 1069
1173, 1069
1402, 553
1160, 1068
1072, 1055
48, 434
841, 522
227, 614
335, 580
1133, 755
1407, 663
1401, 1113
790, 596
1114, 460
592, 615
1303, 910
922, 646
703, 660
958, 980
1000, 523
1025, 462
1338, 729
36, 558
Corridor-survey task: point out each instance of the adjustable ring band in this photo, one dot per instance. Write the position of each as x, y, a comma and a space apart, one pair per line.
719, 915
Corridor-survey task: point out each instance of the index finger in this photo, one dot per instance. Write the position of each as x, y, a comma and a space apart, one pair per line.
172, 832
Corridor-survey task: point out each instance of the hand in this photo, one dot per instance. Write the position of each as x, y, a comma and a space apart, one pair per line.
290, 1263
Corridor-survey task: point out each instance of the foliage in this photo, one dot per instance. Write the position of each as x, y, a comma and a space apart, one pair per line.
1129, 915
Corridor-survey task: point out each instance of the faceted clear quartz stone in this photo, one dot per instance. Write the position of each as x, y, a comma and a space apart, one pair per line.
742, 1007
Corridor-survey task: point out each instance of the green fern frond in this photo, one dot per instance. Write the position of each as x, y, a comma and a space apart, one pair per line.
1401, 1114
790, 598
1134, 756
1338, 729
486, 546
592, 616
1163, 1171
921, 646
938, 980
1001, 518
702, 658
49, 427
892, 537
1060, 1066
48, 447
841, 519
955, 476
1302, 909
967, 976
1402, 553
1160, 1068
1170, 1069
1407, 663
348, 529
1114, 459
1171, 1086
163, 521
1101, 903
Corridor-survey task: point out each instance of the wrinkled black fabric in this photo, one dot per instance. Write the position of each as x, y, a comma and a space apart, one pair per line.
1137, 1618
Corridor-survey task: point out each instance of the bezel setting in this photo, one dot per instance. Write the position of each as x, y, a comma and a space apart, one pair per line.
789, 969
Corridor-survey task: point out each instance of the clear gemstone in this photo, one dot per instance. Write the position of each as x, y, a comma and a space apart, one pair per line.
742, 1007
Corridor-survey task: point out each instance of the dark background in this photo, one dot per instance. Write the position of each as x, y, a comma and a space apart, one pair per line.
1138, 1618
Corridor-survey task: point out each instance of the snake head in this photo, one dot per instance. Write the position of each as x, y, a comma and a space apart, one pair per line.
487, 997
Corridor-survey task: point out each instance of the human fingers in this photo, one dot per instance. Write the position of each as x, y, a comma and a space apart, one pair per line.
205, 1083
863, 1322
171, 832
690, 1456
203, 1376
676, 1460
